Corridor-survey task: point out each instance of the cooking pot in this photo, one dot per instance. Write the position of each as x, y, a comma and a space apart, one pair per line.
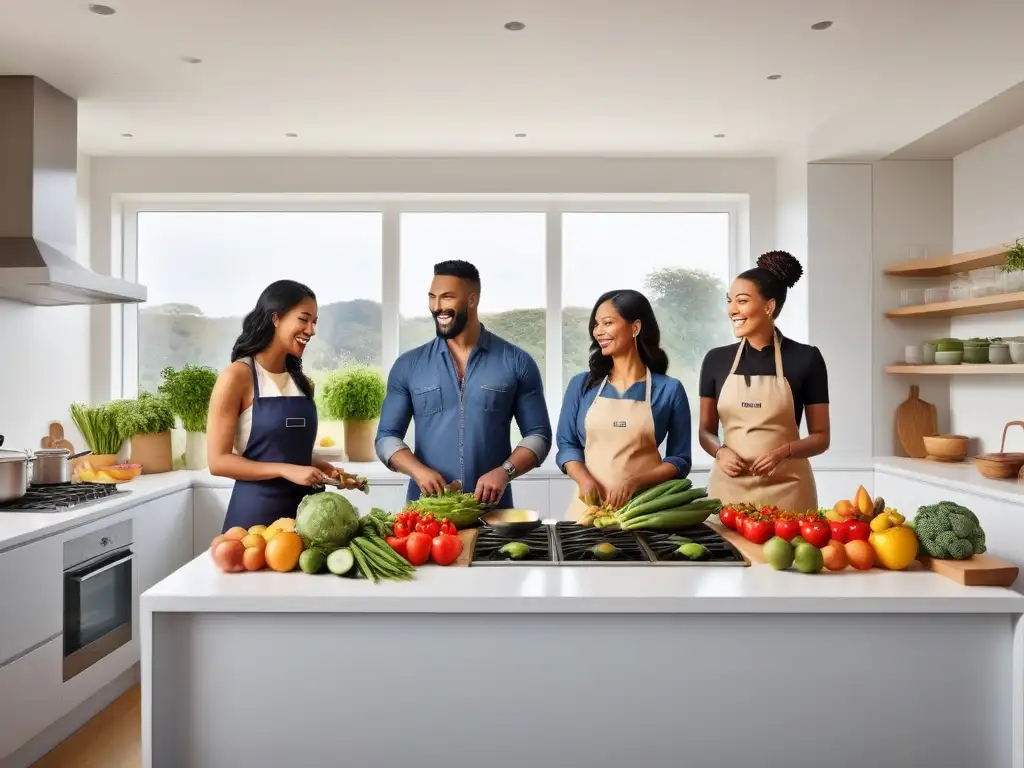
53, 466
13, 474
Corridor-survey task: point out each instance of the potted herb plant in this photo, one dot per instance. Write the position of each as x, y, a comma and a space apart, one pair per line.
1014, 267
99, 427
355, 396
188, 392
147, 422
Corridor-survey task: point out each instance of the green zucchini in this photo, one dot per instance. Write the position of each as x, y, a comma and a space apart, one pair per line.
664, 502
670, 519
670, 486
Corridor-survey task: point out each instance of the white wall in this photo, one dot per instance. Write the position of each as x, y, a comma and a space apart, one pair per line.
988, 208
791, 235
46, 355
112, 176
912, 207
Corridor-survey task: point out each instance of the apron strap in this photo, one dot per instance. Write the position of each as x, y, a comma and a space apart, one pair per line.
601, 388
647, 384
255, 379
778, 355
736, 360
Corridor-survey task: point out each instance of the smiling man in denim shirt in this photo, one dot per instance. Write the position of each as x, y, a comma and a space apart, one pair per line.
463, 389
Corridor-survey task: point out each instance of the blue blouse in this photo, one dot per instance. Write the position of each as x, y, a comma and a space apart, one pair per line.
671, 418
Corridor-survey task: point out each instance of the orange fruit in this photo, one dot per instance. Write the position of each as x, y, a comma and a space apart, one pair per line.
860, 554
254, 540
253, 559
283, 551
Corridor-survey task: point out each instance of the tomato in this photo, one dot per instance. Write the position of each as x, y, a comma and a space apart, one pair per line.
758, 531
417, 548
728, 517
857, 530
839, 531
401, 530
816, 532
397, 543
739, 518
786, 529
445, 549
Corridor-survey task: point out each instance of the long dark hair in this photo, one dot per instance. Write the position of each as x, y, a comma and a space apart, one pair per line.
633, 306
776, 272
278, 298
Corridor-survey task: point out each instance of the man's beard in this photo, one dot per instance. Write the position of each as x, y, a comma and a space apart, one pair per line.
457, 325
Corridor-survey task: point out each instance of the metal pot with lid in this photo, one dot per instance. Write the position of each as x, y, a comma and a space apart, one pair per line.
53, 466
13, 474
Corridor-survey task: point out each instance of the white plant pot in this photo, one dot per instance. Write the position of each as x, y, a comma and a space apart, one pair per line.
195, 450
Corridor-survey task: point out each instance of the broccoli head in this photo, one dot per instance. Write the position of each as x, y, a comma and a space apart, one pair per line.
948, 531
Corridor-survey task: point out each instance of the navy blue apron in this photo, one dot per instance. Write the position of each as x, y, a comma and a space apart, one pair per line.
283, 431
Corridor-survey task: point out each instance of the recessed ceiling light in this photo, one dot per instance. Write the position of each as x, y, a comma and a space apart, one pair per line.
719, 135
191, 60
515, 26
292, 135
774, 77
126, 135
821, 25
101, 10
520, 135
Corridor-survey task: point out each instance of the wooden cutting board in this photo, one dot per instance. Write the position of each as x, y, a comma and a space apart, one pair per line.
915, 420
978, 571
468, 537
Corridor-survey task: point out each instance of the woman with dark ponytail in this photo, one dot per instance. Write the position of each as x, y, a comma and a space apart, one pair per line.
757, 391
616, 414
263, 421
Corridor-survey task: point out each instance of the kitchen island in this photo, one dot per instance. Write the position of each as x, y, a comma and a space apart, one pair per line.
596, 666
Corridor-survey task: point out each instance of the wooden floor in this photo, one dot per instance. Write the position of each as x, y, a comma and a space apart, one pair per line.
112, 739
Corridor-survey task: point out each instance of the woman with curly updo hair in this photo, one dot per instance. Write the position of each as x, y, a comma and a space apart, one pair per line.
757, 392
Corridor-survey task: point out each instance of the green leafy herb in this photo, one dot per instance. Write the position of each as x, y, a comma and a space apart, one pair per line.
1015, 258
188, 392
98, 425
149, 415
355, 393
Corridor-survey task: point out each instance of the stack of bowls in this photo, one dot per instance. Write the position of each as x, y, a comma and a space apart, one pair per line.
976, 351
949, 352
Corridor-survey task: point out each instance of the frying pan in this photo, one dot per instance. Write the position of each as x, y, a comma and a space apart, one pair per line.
511, 522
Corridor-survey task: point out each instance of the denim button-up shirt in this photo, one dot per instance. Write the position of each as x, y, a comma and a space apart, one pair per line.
464, 433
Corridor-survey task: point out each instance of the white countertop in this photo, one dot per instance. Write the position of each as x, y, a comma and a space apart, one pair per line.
962, 477
200, 587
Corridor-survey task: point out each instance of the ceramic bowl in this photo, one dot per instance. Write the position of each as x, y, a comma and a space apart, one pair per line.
949, 358
999, 354
1017, 351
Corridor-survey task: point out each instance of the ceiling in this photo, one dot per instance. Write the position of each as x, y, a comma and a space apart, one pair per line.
410, 77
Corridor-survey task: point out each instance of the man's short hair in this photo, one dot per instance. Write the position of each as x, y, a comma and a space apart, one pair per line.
460, 269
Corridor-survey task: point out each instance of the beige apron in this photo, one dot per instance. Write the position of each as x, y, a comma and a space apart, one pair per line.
757, 419
620, 442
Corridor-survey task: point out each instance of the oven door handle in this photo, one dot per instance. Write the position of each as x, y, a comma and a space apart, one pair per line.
107, 567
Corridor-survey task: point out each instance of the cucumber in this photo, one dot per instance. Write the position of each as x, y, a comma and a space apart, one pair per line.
340, 561
670, 519
671, 486
664, 502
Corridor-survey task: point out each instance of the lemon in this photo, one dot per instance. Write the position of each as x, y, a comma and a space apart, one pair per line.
258, 529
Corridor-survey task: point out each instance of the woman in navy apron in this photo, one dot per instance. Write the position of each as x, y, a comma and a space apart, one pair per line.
262, 423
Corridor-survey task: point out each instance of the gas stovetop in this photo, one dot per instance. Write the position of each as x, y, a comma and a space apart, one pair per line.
566, 543
62, 497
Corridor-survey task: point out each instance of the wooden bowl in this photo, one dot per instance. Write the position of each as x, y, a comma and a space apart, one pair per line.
946, 447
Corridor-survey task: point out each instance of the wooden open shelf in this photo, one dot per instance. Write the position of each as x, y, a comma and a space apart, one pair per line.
951, 265
981, 306
964, 369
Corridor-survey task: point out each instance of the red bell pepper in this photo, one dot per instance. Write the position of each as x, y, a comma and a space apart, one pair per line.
857, 530
401, 530
816, 532
430, 527
786, 529
839, 531
758, 530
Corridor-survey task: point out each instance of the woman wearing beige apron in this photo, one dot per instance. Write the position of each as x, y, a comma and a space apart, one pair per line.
757, 391
615, 415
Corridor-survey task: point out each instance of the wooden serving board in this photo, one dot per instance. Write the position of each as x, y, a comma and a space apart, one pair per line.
977, 571
915, 420
750, 550
468, 537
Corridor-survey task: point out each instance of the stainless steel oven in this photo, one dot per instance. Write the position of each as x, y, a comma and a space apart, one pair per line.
97, 596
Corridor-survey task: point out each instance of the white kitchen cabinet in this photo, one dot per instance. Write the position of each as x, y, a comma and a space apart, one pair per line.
531, 493
31, 595
209, 505
1003, 521
162, 529
30, 692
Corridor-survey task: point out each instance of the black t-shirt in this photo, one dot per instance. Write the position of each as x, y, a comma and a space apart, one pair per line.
802, 364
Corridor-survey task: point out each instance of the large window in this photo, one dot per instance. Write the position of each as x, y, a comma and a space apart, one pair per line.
542, 266
680, 261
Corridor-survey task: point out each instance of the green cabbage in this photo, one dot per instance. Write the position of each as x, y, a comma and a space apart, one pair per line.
326, 521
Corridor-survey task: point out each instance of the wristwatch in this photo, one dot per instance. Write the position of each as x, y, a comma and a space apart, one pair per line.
510, 469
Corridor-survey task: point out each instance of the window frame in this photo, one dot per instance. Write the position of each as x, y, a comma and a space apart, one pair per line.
126, 209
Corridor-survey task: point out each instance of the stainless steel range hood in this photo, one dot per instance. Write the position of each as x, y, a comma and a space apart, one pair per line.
38, 201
